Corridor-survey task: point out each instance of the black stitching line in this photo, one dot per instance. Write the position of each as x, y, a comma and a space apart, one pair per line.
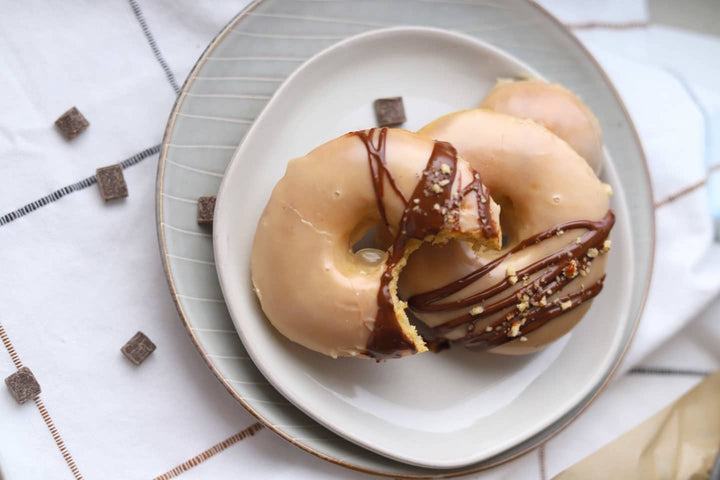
668, 371
77, 186
153, 45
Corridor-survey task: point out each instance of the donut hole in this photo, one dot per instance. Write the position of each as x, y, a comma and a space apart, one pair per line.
364, 237
368, 243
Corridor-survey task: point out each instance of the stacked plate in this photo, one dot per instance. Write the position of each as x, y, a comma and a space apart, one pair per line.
286, 76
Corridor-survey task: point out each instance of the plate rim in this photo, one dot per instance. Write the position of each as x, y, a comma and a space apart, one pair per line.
162, 160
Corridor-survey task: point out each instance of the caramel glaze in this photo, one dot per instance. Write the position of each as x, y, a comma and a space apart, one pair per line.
432, 208
554, 272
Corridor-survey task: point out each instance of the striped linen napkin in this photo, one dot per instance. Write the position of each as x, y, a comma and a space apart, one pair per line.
80, 277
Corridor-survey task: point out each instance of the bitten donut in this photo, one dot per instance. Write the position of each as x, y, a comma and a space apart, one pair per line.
555, 221
554, 107
311, 285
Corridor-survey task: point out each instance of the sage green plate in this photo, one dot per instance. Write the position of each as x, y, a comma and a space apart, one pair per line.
234, 79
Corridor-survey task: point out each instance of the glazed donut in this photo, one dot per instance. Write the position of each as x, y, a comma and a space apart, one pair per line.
554, 107
555, 220
311, 285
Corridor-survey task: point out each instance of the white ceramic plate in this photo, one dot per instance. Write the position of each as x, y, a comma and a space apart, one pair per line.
439, 411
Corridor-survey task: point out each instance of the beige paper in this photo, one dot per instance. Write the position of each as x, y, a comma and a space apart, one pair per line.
679, 442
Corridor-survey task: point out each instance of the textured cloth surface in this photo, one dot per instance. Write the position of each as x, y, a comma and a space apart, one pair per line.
80, 277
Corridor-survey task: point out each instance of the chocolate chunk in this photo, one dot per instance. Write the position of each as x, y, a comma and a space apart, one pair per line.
111, 182
206, 209
138, 348
22, 385
389, 111
71, 123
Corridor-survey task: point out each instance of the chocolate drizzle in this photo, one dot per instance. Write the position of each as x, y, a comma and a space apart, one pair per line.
528, 306
432, 208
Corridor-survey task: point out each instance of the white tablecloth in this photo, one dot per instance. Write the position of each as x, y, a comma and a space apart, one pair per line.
79, 277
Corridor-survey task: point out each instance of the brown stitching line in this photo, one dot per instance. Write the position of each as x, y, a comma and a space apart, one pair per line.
41, 407
9, 347
217, 448
610, 25
690, 188
682, 193
58, 439
541, 460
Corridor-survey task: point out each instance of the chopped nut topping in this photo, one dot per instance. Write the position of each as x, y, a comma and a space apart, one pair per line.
606, 245
509, 316
565, 305
583, 272
510, 270
571, 271
593, 252
560, 232
523, 339
437, 188
488, 328
512, 279
436, 207
543, 301
578, 240
477, 310
514, 330
445, 168
416, 201
522, 306
444, 182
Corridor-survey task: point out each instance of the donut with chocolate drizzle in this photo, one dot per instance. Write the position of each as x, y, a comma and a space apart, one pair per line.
313, 287
556, 219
